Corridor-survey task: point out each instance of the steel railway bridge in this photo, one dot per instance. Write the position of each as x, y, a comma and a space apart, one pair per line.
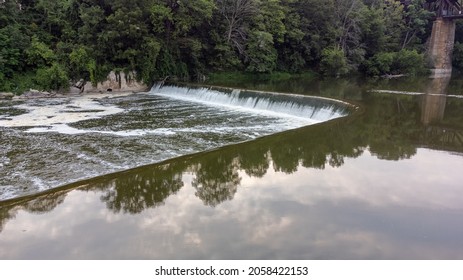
441, 43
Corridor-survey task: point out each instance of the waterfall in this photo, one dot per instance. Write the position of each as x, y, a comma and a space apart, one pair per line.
317, 109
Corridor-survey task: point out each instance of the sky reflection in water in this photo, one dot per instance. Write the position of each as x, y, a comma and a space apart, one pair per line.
309, 214
385, 184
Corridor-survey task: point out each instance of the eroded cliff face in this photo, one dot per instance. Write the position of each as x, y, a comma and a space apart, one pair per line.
117, 82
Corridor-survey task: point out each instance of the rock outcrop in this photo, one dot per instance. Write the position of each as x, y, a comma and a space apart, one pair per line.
117, 82
6, 95
32, 93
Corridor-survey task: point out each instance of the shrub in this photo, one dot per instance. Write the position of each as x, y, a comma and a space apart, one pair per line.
379, 64
333, 62
408, 62
52, 78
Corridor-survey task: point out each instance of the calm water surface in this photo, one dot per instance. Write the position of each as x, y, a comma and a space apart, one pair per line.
383, 183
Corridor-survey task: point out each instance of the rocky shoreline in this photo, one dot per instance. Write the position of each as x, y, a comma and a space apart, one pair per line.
6, 95
115, 83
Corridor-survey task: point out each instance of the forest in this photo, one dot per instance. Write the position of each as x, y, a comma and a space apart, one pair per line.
45, 44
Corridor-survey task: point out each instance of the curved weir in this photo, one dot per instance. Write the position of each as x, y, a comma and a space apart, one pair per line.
47, 143
317, 109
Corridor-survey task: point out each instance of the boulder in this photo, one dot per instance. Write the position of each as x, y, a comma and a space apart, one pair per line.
6, 95
32, 93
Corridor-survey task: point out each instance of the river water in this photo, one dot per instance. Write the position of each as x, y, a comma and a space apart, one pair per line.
47, 143
377, 180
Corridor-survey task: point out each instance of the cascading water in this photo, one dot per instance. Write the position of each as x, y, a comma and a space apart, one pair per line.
316, 109
46, 143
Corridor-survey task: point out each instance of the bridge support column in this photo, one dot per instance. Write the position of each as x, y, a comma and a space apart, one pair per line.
440, 47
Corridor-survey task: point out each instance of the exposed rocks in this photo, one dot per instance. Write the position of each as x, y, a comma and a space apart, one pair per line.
32, 93
117, 82
6, 95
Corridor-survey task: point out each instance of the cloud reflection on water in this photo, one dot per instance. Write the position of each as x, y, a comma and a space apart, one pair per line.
307, 214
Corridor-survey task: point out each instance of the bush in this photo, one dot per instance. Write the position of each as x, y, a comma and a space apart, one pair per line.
408, 62
52, 78
39, 54
333, 62
379, 64
458, 56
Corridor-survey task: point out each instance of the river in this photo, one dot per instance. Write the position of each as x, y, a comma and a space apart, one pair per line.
237, 177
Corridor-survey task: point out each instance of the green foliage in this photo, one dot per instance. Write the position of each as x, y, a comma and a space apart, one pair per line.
13, 43
334, 62
160, 14
416, 20
373, 30
190, 39
166, 65
192, 14
52, 78
18, 83
408, 62
9, 56
39, 54
458, 56
271, 18
262, 54
81, 64
148, 59
225, 57
379, 64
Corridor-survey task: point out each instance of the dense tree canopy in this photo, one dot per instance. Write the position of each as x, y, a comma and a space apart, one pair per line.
86, 39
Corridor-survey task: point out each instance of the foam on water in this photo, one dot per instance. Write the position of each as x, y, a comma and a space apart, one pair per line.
66, 129
311, 109
49, 112
397, 92
415, 93
46, 143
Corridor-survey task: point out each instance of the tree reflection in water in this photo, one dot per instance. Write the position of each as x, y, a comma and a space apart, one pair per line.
390, 128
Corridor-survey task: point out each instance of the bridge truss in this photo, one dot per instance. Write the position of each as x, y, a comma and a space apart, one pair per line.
449, 9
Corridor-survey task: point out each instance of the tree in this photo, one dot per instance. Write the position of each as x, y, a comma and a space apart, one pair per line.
334, 62
261, 53
52, 78
237, 14
416, 20
39, 54
53, 14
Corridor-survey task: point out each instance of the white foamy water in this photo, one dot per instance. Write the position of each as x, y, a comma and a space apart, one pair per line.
396, 92
66, 129
46, 143
310, 109
51, 112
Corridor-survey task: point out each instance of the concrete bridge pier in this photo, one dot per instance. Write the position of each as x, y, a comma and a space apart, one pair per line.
440, 47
